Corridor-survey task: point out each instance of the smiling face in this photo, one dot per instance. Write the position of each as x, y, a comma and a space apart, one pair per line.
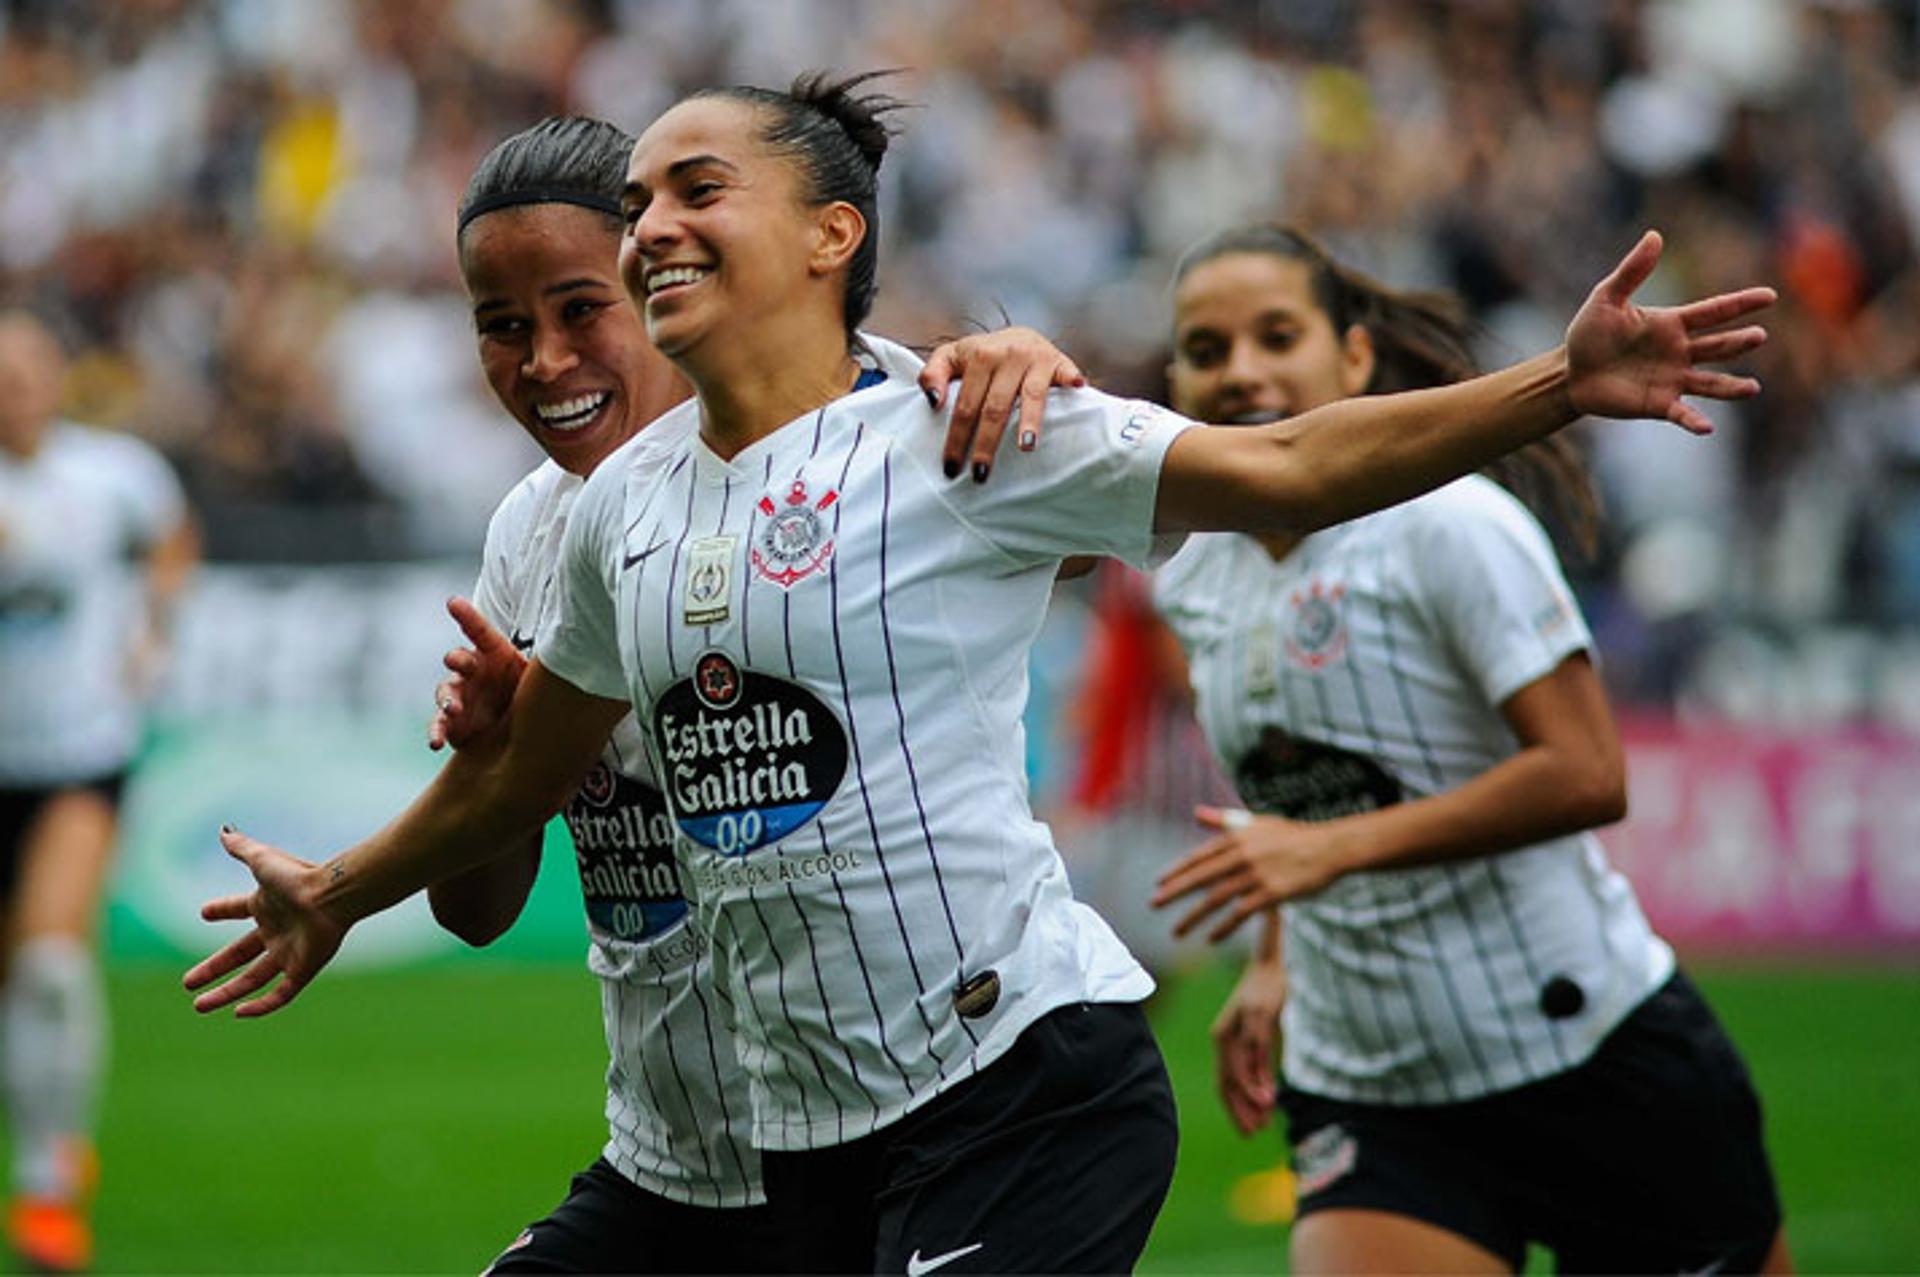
720, 233
559, 341
1251, 343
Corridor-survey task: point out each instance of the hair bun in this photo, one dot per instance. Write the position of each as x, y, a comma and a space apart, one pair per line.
862, 116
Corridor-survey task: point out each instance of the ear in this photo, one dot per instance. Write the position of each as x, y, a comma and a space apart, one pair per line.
839, 230
1356, 360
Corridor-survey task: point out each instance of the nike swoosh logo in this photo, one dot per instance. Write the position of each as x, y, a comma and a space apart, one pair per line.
521, 642
632, 559
916, 1265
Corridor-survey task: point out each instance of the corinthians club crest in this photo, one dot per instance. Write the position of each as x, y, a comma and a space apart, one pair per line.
1317, 634
796, 542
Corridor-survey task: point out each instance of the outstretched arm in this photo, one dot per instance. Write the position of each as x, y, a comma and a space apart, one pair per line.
476, 805
1363, 454
1569, 774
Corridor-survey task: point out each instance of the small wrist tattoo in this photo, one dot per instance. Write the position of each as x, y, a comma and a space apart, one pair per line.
339, 868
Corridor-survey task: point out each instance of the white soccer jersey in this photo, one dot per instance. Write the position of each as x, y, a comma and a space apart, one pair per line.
74, 518
678, 1114
1364, 668
829, 641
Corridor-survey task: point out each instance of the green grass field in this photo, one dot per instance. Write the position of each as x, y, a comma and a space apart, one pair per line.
411, 1122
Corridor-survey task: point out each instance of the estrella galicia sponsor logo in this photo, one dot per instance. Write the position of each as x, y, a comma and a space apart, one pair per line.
750, 758
623, 847
1324, 1158
1306, 780
1317, 636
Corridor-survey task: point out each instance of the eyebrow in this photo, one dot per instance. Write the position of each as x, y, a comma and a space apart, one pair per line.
564, 286
677, 169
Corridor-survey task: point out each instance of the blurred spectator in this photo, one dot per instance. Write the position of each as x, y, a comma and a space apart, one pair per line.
242, 214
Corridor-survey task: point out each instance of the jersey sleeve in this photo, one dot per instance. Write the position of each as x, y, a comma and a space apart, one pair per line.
151, 497
582, 644
493, 589
1488, 573
1088, 488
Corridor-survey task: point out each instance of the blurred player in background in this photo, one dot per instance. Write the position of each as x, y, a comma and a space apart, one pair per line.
678, 1187
1485, 1044
95, 543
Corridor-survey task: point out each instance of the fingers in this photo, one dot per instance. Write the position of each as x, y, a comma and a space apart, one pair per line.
251, 980
1247, 908
1033, 407
1223, 894
1196, 869
937, 374
278, 996
1689, 418
479, 631
1712, 312
1619, 287
1719, 385
1717, 348
1067, 374
230, 957
227, 909
1223, 818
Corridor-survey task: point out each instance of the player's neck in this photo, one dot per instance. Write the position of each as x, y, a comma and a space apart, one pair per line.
749, 389
1278, 545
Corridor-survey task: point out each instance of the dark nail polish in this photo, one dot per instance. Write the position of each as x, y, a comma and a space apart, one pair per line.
952, 468
228, 829
1026, 439
980, 472
933, 400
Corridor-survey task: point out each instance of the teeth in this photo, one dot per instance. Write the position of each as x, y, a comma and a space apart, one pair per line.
673, 275
570, 414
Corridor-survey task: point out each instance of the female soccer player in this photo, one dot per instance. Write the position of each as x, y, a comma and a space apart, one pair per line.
827, 641
1485, 1044
678, 1187
80, 629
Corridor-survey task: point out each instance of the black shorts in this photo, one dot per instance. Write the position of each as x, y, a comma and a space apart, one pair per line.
1055, 1159
609, 1224
1647, 1158
19, 806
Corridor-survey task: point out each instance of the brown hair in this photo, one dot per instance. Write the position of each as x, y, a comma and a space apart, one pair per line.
1422, 339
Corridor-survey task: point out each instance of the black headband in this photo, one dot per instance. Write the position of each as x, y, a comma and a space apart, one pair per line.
537, 195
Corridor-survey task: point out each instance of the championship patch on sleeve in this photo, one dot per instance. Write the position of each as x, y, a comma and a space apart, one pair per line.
750, 758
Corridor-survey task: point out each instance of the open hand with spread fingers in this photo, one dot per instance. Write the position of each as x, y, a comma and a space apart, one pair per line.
1634, 361
292, 936
1253, 863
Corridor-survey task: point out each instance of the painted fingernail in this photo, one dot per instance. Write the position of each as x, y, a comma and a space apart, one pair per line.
933, 400
228, 829
980, 472
952, 468
1027, 438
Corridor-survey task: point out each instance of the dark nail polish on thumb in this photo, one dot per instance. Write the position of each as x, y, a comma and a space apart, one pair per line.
228, 829
933, 400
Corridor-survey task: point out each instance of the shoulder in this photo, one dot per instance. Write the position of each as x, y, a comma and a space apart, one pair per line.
1475, 501
652, 452
1201, 557
107, 451
525, 507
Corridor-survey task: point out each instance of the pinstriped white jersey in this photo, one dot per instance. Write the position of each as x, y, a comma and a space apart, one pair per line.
829, 640
1366, 668
73, 519
678, 1114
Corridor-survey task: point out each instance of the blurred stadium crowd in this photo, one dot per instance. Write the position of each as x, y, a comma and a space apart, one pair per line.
240, 214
